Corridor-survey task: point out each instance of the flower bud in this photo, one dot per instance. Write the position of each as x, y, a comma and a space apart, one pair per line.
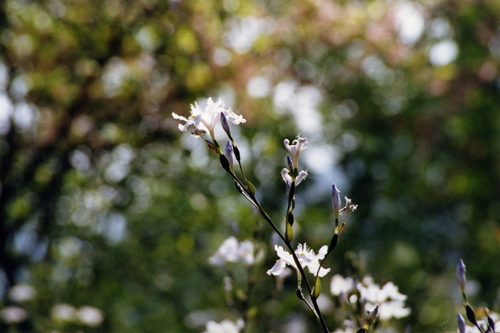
289, 163
461, 323
225, 124
471, 315
373, 316
335, 201
461, 275
228, 152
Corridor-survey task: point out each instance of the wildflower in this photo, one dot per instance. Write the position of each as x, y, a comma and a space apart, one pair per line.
204, 120
335, 201
285, 174
13, 314
297, 146
225, 326
90, 316
63, 312
232, 251
391, 302
340, 286
349, 207
22, 293
306, 257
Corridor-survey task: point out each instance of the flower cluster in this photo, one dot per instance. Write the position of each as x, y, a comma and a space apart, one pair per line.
390, 301
483, 323
306, 257
204, 120
232, 251
225, 326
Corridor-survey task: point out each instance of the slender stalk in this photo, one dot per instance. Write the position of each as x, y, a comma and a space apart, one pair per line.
251, 198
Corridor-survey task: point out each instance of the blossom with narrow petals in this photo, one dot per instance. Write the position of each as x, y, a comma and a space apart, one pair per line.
349, 206
285, 174
297, 146
232, 251
205, 119
307, 258
225, 326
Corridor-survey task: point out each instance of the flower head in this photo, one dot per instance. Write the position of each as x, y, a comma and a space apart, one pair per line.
349, 206
285, 174
225, 326
232, 251
307, 258
297, 146
205, 119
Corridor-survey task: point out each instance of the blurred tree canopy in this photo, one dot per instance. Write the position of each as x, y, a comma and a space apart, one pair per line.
109, 214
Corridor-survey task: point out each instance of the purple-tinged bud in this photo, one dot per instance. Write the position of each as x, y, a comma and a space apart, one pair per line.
225, 124
461, 275
290, 163
228, 152
373, 316
461, 323
335, 201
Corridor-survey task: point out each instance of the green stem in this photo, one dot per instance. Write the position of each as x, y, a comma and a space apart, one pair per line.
251, 198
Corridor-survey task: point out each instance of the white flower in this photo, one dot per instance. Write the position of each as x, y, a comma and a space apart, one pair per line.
390, 301
349, 207
22, 293
90, 316
204, 120
306, 257
63, 312
297, 146
341, 286
285, 174
231, 251
225, 326
13, 314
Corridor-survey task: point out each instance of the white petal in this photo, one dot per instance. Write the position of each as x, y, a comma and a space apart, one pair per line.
302, 175
277, 269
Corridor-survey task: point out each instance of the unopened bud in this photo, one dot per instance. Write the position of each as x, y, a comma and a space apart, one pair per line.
317, 287
225, 124
470, 314
289, 163
214, 146
491, 322
333, 242
250, 187
335, 201
461, 323
461, 274
228, 152
236, 153
225, 163
373, 316
289, 232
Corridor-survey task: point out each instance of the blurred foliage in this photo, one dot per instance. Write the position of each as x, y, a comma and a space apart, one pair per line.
104, 204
